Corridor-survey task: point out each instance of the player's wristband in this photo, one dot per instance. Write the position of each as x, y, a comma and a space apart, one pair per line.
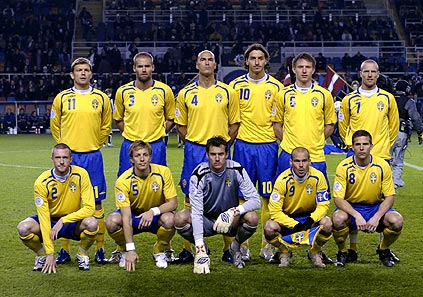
130, 246
156, 211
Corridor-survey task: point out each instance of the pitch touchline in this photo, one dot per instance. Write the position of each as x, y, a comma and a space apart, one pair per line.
413, 166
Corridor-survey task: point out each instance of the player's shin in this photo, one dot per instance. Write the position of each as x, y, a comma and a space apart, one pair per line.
119, 239
244, 232
32, 241
265, 216
164, 236
87, 240
389, 237
321, 239
99, 215
65, 244
340, 236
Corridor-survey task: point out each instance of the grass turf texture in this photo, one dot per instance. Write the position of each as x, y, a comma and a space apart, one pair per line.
24, 157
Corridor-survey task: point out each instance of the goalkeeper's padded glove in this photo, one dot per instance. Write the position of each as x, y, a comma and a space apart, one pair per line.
308, 223
224, 220
299, 227
420, 138
201, 260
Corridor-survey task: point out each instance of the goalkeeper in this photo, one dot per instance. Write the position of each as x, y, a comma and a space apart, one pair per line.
213, 194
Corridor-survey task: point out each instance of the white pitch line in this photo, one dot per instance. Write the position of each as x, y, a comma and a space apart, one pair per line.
413, 166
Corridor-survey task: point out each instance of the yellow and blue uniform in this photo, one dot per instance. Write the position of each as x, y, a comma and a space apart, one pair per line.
363, 188
71, 200
377, 114
144, 114
143, 194
292, 199
256, 148
303, 118
206, 113
83, 121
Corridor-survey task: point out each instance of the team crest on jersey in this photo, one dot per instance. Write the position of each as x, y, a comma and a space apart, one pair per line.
373, 177
228, 182
380, 106
299, 236
155, 186
275, 197
154, 100
38, 201
292, 101
218, 98
72, 187
314, 101
95, 104
337, 186
120, 197
309, 189
267, 95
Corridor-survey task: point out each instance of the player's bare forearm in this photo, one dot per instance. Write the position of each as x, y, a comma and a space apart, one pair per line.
120, 125
169, 125
277, 128
233, 132
182, 131
169, 205
328, 130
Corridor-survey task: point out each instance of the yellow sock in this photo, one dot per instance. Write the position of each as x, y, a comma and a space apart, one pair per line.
227, 242
99, 215
320, 241
65, 244
87, 240
119, 238
32, 241
164, 236
389, 237
265, 215
340, 237
278, 244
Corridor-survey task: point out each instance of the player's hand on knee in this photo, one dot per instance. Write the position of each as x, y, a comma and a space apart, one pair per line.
224, 220
201, 261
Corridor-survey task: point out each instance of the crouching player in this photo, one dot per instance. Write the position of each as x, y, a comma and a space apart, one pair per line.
215, 209
145, 198
298, 207
64, 199
364, 195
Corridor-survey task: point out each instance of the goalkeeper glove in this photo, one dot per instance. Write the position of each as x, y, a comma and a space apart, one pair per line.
308, 223
224, 220
420, 138
299, 227
201, 260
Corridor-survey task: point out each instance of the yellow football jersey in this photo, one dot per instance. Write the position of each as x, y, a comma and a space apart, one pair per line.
207, 112
377, 114
367, 185
72, 200
144, 113
82, 121
256, 101
142, 194
303, 117
291, 198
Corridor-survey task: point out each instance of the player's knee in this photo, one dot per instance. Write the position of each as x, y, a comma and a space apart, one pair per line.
167, 220
395, 221
113, 222
181, 218
339, 219
251, 218
327, 225
23, 228
90, 224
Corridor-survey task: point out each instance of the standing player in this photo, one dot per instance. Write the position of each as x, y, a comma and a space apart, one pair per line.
145, 109
204, 108
364, 195
304, 115
65, 204
81, 117
215, 209
372, 109
256, 148
300, 200
145, 198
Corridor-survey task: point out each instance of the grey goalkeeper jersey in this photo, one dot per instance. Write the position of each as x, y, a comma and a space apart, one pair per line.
212, 193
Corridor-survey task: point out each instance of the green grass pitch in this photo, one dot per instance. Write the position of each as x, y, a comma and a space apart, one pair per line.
24, 157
